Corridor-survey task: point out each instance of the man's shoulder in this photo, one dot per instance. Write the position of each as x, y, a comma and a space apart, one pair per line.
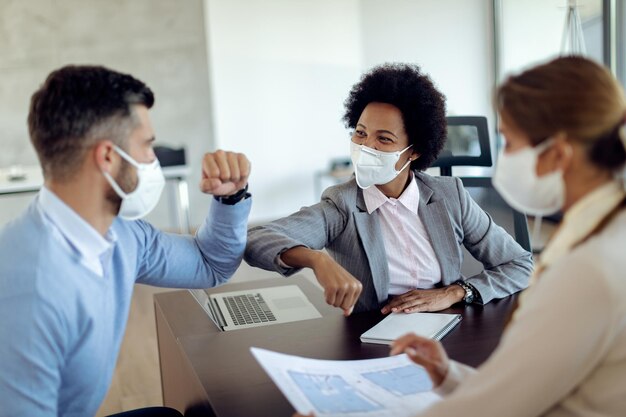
31, 256
24, 235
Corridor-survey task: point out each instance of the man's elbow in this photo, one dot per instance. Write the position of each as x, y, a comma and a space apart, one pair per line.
220, 271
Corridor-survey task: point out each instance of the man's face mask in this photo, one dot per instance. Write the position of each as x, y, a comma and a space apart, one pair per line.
142, 200
372, 167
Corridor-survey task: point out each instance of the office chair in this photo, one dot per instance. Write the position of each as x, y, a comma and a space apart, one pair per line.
467, 144
168, 156
482, 191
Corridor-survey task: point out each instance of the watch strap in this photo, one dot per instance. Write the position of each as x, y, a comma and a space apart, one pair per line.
470, 291
231, 200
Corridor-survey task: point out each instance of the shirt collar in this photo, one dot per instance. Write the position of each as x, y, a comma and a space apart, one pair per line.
581, 219
410, 197
78, 233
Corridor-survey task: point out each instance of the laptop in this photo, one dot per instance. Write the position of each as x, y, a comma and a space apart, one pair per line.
258, 307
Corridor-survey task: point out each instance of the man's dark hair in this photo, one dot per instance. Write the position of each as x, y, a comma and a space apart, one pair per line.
77, 106
422, 106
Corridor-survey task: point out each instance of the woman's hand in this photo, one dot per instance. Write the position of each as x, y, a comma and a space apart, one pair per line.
341, 289
425, 352
425, 300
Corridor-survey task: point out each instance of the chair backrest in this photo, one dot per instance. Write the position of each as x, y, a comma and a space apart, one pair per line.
514, 222
168, 156
467, 144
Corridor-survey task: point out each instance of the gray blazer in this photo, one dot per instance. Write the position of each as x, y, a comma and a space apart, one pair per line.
341, 224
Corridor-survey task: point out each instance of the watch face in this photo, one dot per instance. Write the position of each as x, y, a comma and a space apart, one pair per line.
469, 294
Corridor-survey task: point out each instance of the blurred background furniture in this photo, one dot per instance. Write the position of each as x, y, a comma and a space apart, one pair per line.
467, 144
176, 171
20, 179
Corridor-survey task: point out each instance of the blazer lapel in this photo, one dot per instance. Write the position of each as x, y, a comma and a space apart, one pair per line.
434, 216
368, 229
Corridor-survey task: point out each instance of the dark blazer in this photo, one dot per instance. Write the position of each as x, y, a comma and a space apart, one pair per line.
341, 224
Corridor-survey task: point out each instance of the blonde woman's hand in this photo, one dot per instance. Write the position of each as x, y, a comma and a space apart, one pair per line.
425, 352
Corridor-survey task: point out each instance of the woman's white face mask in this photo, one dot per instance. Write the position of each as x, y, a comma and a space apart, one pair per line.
516, 180
372, 167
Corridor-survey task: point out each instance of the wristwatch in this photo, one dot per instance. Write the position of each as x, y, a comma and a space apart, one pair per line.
469, 291
231, 200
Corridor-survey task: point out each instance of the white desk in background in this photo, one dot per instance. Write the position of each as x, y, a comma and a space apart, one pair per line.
20, 179
28, 179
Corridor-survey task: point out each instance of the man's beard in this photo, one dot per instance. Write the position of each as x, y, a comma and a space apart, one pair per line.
126, 182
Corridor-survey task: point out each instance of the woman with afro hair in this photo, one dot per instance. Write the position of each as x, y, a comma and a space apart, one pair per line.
392, 234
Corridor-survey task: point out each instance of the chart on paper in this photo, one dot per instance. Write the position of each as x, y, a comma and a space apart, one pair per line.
392, 386
402, 381
331, 394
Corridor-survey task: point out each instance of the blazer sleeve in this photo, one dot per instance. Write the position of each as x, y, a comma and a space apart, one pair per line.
507, 266
313, 227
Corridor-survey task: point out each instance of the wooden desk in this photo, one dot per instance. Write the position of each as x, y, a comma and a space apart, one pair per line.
212, 373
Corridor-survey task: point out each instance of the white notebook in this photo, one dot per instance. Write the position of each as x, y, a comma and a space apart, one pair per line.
431, 325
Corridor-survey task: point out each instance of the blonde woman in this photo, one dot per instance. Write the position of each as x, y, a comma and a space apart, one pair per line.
564, 351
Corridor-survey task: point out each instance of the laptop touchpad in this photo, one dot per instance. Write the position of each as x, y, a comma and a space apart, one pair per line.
287, 303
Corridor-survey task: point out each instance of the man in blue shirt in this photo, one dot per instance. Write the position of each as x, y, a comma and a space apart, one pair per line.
69, 262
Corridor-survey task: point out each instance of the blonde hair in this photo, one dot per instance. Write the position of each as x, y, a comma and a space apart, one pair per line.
571, 95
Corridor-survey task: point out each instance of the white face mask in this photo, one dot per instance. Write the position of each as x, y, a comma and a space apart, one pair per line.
145, 196
375, 167
517, 181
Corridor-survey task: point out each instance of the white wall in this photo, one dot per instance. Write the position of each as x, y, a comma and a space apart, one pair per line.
280, 71
159, 42
450, 39
531, 33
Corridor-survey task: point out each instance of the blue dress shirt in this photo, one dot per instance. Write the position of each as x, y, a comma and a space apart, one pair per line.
65, 294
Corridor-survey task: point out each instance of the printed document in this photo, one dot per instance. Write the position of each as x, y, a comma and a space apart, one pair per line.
390, 386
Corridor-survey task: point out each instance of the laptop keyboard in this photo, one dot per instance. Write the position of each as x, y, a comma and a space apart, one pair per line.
248, 309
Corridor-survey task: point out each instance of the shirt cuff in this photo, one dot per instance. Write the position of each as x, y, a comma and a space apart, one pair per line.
280, 263
477, 298
457, 372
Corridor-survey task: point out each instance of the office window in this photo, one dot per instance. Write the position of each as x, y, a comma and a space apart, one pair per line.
621, 41
591, 17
